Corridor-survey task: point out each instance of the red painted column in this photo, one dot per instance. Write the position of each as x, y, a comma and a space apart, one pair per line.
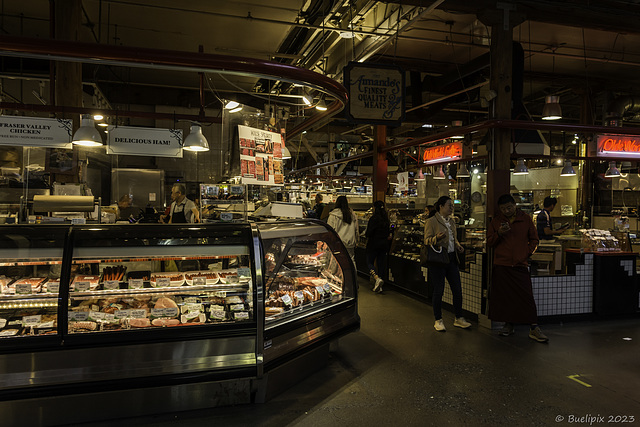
379, 164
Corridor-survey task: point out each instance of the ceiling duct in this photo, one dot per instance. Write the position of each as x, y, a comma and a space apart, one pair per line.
620, 106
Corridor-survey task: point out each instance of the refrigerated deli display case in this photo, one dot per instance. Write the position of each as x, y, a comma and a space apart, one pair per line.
170, 314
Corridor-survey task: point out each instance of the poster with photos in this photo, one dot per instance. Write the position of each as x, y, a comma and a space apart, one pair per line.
260, 156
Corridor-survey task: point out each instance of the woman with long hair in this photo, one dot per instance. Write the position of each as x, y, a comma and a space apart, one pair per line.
345, 222
378, 239
440, 231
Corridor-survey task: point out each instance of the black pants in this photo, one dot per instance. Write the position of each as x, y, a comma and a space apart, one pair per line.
451, 272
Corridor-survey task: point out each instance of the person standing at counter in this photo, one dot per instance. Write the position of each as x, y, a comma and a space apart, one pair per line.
182, 210
345, 222
514, 239
319, 207
543, 221
440, 230
378, 239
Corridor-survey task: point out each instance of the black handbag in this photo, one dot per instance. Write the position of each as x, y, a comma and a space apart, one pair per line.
430, 256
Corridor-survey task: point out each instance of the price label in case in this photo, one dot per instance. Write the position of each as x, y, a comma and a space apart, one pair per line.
244, 272
97, 315
138, 313
136, 283
163, 282
31, 320
220, 294
286, 299
81, 286
23, 288
170, 312
226, 216
320, 290
53, 287
79, 315
192, 300
110, 285
236, 189
241, 315
218, 314
122, 314
189, 308
327, 288
299, 295
199, 281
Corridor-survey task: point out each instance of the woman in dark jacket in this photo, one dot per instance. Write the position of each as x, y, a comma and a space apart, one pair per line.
378, 239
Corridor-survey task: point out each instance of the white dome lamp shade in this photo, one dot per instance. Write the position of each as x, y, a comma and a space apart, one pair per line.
286, 154
567, 170
87, 135
440, 173
521, 168
613, 171
420, 176
195, 141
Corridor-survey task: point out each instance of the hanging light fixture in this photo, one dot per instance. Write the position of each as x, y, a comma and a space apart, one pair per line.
567, 170
286, 154
463, 172
551, 109
420, 176
231, 105
195, 141
87, 135
457, 123
521, 168
440, 173
306, 97
321, 105
613, 171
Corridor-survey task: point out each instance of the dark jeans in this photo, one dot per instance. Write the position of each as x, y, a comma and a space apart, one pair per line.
379, 256
452, 274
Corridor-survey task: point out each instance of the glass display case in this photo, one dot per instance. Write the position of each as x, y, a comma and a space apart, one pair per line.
153, 280
407, 241
310, 283
30, 266
158, 307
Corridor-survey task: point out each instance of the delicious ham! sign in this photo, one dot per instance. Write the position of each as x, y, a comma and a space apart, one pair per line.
618, 146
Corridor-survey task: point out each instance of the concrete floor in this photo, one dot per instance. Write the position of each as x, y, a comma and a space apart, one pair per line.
398, 371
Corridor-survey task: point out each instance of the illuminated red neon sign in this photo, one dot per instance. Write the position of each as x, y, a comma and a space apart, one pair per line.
618, 146
443, 152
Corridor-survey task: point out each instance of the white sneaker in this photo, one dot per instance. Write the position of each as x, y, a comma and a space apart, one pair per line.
460, 322
439, 325
378, 285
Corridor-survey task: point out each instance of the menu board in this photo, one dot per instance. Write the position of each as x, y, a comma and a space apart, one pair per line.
260, 156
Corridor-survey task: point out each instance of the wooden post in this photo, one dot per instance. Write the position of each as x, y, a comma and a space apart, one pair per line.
379, 164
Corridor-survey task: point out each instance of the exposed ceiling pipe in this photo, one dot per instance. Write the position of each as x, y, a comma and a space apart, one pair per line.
619, 106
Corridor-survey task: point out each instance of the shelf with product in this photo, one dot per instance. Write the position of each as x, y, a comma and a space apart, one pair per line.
223, 202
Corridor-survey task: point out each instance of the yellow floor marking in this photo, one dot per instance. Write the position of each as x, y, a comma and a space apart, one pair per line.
575, 378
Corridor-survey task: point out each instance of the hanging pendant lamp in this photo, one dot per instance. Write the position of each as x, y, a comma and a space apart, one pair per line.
567, 170
613, 171
87, 135
521, 168
551, 109
195, 141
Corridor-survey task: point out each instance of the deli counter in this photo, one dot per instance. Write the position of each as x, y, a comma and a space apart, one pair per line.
188, 316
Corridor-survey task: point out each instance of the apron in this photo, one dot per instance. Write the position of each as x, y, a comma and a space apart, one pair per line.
178, 217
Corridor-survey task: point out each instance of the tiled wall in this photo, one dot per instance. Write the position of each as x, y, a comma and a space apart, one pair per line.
471, 286
559, 295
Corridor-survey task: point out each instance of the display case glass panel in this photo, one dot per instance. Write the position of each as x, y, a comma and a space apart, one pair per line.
30, 266
156, 277
307, 269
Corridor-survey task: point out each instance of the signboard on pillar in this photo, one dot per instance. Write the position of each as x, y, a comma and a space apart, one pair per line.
618, 146
443, 153
376, 93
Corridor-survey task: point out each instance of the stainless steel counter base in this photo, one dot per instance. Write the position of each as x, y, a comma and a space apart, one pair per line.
87, 407
118, 362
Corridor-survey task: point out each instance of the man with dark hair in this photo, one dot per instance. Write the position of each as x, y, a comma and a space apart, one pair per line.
514, 239
182, 210
543, 221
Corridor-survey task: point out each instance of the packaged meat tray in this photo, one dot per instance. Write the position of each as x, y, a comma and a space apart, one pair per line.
175, 279
81, 278
211, 277
35, 282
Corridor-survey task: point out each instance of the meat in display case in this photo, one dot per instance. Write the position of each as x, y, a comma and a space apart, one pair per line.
30, 265
309, 286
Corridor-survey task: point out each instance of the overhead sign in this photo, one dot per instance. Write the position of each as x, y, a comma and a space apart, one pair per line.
403, 181
618, 146
446, 152
260, 156
376, 93
35, 131
137, 141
